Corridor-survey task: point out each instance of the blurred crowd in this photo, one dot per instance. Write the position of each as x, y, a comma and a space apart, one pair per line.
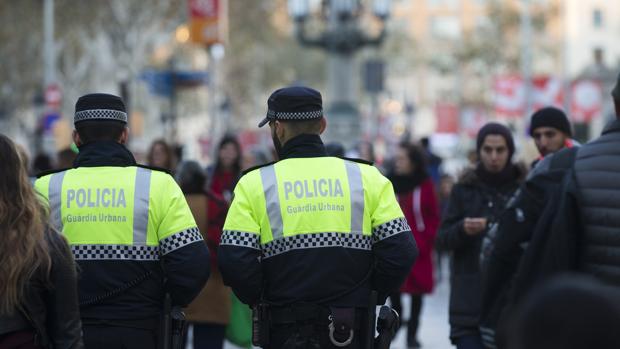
498, 223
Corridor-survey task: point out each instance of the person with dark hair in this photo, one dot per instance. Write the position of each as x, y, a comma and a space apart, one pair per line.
130, 230
570, 311
308, 238
38, 279
476, 202
41, 163
416, 195
335, 149
161, 155
433, 162
209, 313
551, 131
65, 158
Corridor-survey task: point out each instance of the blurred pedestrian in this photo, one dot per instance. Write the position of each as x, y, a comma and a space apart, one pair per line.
65, 158
161, 155
209, 313
551, 131
221, 180
433, 161
38, 281
446, 183
475, 203
416, 196
335, 149
41, 163
568, 312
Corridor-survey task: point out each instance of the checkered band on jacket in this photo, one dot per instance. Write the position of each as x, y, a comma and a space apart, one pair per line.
180, 239
240, 238
318, 240
115, 252
389, 229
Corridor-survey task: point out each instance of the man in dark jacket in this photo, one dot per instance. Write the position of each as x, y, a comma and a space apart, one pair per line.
585, 234
475, 203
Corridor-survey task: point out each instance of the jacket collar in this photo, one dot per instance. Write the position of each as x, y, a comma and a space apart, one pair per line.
104, 153
303, 146
613, 126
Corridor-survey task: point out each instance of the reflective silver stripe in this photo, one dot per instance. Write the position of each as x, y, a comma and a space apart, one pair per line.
272, 200
141, 205
55, 199
356, 188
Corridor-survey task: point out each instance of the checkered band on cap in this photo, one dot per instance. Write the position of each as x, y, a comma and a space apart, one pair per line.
100, 114
180, 239
389, 229
240, 238
115, 252
307, 115
317, 240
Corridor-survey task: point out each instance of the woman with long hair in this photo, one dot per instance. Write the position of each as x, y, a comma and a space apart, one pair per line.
161, 155
38, 290
221, 180
416, 196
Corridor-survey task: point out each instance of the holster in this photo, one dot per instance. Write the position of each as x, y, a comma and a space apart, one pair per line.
341, 326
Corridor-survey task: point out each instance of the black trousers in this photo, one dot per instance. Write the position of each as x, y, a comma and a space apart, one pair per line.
117, 337
414, 318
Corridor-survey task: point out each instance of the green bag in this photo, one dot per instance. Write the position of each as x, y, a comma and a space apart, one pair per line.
239, 329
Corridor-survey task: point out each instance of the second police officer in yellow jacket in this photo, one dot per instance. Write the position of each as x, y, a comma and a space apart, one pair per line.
308, 238
130, 230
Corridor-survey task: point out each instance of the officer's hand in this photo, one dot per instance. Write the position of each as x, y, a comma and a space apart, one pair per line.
474, 226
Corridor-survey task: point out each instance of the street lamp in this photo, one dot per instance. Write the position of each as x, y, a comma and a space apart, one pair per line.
341, 39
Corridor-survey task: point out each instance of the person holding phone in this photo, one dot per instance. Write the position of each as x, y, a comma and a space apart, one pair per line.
476, 201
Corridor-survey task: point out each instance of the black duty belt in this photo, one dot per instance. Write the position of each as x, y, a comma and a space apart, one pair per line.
305, 314
143, 324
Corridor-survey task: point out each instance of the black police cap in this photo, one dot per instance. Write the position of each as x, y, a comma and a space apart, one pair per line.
100, 106
295, 103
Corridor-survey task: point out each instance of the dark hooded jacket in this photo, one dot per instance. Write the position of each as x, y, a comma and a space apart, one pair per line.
470, 197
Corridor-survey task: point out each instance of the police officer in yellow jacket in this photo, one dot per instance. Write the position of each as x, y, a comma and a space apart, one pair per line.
130, 230
309, 237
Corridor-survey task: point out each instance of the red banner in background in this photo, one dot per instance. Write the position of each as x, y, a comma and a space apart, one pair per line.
510, 97
207, 21
447, 115
586, 100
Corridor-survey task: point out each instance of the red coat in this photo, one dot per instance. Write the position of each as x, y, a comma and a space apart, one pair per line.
422, 213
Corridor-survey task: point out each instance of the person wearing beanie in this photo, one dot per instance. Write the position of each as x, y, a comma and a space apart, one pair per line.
129, 228
475, 204
551, 131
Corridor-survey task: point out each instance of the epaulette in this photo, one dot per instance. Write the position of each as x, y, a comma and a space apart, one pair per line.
49, 172
154, 168
361, 161
257, 167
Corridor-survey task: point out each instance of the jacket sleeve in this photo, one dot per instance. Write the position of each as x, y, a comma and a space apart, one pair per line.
184, 255
239, 254
451, 235
394, 247
63, 317
430, 212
